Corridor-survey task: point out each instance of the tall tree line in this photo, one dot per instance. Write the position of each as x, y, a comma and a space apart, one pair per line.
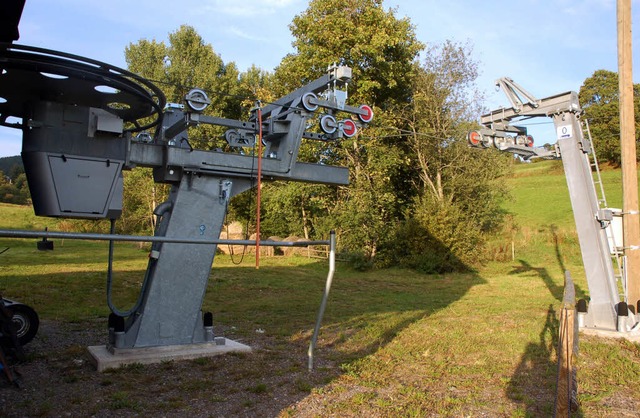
418, 195
600, 100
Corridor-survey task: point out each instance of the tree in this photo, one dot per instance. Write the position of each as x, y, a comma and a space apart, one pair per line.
255, 85
368, 210
187, 62
140, 197
599, 97
445, 100
14, 189
292, 208
22, 187
380, 49
458, 193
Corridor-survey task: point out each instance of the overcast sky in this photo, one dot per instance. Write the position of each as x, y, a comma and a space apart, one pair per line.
547, 46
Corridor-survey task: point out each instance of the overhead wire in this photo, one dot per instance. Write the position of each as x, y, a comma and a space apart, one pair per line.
244, 97
220, 93
402, 133
251, 197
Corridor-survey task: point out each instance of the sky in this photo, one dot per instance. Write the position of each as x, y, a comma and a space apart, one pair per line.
546, 46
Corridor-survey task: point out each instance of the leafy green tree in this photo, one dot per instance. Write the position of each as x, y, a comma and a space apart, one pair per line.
140, 197
14, 190
292, 208
361, 34
368, 209
22, 187
255, 85
380, 49
458, 192
186, 63
599, 97
15, 171
5, 188
445, 100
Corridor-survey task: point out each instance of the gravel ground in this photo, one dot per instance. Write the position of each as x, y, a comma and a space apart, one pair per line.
58, 379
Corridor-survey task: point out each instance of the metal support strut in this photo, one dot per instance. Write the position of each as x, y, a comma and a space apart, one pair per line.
500, 131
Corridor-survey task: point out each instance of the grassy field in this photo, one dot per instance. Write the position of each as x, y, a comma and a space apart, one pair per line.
394, 343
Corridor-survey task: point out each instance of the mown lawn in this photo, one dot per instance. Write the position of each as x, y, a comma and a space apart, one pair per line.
405, 343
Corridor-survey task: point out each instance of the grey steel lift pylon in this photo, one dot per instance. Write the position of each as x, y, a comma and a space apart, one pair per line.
85, 121
501, 131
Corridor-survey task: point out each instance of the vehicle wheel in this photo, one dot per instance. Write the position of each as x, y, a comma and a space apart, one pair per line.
26, 322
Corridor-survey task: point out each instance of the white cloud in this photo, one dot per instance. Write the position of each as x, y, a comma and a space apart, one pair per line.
248, 8
237, 32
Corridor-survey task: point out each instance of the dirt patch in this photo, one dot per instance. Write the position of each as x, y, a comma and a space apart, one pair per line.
59, 380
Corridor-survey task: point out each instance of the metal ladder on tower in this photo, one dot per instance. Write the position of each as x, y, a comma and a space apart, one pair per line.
616, 253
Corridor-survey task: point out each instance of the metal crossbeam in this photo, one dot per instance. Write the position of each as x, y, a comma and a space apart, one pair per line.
553, 105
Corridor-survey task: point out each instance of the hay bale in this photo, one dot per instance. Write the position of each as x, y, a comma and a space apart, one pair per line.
288, 251
233, 231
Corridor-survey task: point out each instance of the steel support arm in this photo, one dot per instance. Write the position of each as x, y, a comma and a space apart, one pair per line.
565, 102
235, 165
573, 148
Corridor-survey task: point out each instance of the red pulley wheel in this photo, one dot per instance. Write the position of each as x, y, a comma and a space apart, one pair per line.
368, 115
349, 128
474, 138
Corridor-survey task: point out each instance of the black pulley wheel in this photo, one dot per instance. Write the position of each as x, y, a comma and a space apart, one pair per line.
31, 75
26, 322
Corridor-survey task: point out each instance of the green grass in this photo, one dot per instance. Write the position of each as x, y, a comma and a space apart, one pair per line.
406, 344
540, 194
21, 217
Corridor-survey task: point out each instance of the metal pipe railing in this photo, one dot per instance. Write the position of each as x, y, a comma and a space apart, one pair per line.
325, 296
10, 233
15, 233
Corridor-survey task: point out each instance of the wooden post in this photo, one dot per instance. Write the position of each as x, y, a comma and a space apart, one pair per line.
631, 219
567, 386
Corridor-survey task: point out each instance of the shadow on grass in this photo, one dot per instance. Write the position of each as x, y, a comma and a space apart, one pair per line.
534, 382
365, 309
525, 267
273, 308
555, 290
364, 312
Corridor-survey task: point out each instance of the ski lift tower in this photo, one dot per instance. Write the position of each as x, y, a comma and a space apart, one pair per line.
84, 122
607, 304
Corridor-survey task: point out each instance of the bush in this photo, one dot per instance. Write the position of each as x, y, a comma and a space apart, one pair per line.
414, 246
358, 261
